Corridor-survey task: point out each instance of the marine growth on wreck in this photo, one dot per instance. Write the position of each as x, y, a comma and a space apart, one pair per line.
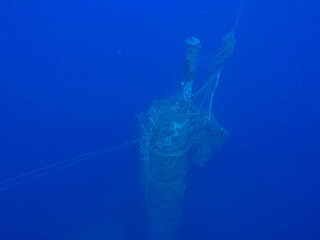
175, 132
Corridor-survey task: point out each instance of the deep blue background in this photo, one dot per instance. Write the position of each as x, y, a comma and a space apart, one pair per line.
74, 74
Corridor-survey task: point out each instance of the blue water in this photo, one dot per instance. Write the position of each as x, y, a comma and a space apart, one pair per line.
74, 75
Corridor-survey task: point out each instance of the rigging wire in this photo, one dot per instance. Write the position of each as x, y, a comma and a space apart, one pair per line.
39, 172
226, 49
